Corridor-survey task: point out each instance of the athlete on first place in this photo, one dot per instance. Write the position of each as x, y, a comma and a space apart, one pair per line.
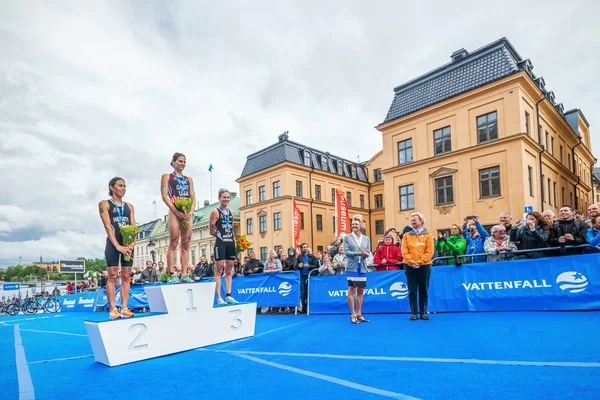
114, 213
172, 186
221, 227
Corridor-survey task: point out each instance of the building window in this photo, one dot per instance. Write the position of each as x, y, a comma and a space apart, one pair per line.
248, 197
320, 249
261, 193
378, 201
301, 220
340, 168
444, 191
324, 163
562, 193
530, 180
377, 175
570, 197
554, 192
487, 127
333, 195
349, 199
489, 182
263, 254
362, 201
405, 154
307, 158
203, 252
249, 226
318, 192
193, 257
276, 187
250, 250
442, 141
334, 224
379, 227
569, 166
407, 197
319, 222
277, 221
262, 221
276, 248
527, 122
552, 145
547, 141
353, 171
560, 154
549, 188
298, 188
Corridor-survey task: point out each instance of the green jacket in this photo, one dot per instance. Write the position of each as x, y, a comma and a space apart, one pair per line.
454, 245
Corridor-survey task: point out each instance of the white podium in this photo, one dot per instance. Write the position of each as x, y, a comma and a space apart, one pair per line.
190, 321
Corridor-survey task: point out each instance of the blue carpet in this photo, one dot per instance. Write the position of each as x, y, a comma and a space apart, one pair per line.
220, 371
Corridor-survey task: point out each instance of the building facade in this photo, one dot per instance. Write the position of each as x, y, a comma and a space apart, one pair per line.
201, 244
273, 177
478, 136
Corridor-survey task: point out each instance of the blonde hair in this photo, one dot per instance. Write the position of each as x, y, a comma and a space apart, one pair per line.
359, 218
418, 214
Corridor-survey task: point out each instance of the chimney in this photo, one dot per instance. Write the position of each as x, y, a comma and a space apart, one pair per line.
283, 137
165, 218
459, 55
206, 203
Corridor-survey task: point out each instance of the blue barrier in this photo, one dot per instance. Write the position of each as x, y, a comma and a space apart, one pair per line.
267, 290
558, 283
77, 302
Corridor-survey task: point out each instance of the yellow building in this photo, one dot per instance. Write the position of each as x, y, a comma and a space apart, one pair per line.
596, 184
481, 135
274, 176
477, 136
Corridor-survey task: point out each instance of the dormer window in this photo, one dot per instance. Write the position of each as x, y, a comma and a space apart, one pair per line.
324, 163
353, 171
340, 168
307, 158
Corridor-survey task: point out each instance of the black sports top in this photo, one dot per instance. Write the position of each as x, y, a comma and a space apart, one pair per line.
224, 227
178, 187
118, 216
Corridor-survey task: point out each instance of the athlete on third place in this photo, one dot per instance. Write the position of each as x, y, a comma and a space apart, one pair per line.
221, 227
114, 213
172, 186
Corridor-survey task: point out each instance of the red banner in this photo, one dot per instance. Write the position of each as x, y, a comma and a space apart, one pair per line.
341, 213
296, 219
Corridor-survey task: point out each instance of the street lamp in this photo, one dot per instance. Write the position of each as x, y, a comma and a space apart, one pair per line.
152, 245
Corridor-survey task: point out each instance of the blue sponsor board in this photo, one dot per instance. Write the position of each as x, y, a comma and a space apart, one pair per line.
266, 290
11, 286
137, 297
77, 302
558, 283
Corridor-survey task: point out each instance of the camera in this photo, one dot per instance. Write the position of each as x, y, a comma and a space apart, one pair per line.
469, 217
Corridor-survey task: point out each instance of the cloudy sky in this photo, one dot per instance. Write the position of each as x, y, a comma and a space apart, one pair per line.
89, 90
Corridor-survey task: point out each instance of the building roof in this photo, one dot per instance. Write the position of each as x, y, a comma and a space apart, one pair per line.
202, 215
287, 151
596, 177
145, 230
465, 72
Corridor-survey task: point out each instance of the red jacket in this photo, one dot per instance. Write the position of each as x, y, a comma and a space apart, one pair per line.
391, 254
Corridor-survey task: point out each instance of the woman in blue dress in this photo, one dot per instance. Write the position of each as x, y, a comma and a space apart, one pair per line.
357, 248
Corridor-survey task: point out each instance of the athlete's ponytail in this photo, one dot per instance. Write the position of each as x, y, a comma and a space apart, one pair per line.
175, 157
112, 183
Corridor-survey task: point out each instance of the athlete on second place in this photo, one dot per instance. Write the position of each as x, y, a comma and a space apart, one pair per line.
221, 227
172, 186
114, 213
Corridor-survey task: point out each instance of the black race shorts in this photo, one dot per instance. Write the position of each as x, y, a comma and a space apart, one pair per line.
112, 256
224, 251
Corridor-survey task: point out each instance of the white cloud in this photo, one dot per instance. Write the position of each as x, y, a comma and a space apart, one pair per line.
114, 88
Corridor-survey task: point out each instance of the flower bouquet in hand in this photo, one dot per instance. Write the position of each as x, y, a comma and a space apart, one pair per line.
129, 233
242, 244
184, 205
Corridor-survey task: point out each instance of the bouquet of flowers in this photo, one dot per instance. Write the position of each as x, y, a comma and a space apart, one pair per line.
128, 232
242, 244
184, 205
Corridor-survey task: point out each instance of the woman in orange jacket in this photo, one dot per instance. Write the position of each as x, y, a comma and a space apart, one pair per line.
387, 253
417, 250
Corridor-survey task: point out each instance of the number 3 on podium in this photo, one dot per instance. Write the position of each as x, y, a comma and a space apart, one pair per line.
237, 321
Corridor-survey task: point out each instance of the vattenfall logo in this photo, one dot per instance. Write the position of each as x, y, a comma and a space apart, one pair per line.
399, 290
570, 281
285, 288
